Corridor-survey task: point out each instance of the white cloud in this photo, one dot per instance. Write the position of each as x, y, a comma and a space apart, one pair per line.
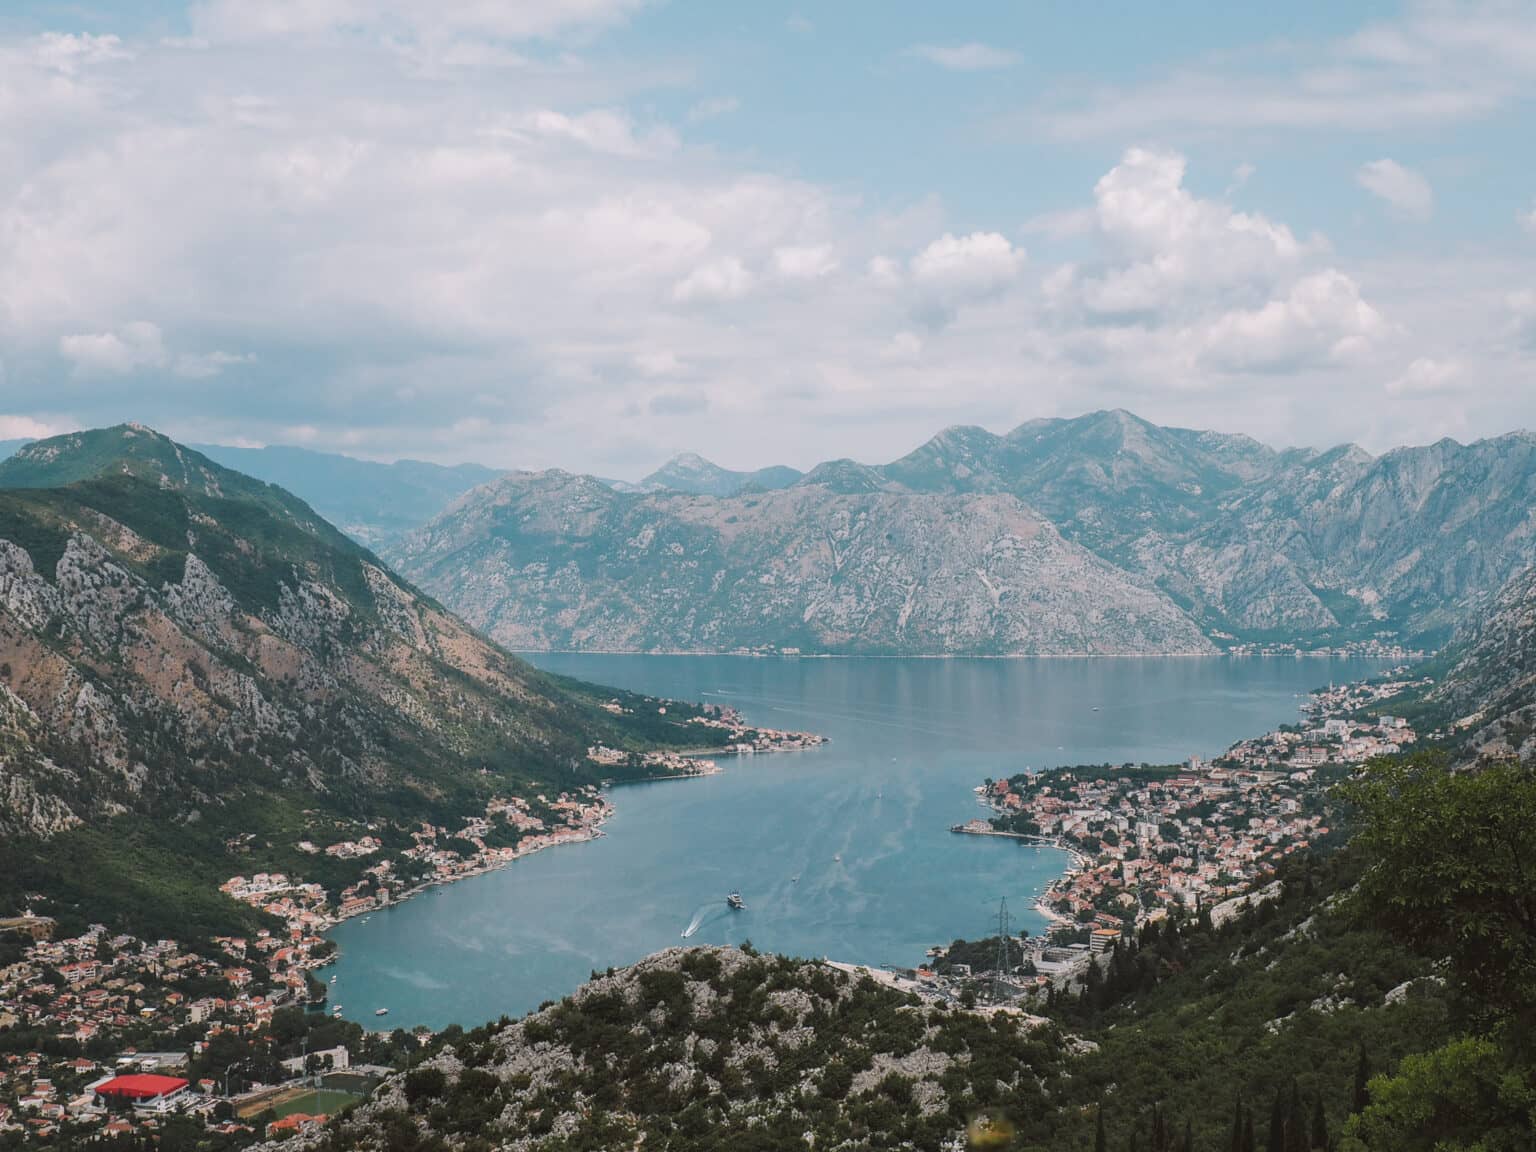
809, 262
1442, 62
602, 130
206, 365
1171, 241
980, 261
387, 252
518, 20
1406, 191
1426, 376
27, 428
726, 279
1321, 318
69, 54
129, 348
970, 57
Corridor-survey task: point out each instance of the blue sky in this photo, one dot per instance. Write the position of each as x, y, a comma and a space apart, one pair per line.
591, 233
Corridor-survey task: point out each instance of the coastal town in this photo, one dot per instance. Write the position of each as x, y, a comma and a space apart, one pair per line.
105, 1033
1144, 840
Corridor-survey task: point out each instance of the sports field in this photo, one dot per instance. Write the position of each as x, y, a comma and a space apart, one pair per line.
310, 1101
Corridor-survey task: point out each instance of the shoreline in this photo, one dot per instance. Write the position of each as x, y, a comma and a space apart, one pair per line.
582, 835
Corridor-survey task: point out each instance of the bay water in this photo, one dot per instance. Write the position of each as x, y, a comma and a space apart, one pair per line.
843, 851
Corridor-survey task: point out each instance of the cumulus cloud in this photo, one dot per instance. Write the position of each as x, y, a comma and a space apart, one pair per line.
602, 130
726, 279
1404, 190
1321, 318
129, 348
810, 262
981, 261
970, 57
1169, 241
1426, 376
394, 247
27, 428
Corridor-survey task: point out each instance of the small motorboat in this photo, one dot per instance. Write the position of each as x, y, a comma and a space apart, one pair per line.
381, 1011
735, 901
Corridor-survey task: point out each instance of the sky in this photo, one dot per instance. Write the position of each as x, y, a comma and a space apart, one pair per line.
594, 233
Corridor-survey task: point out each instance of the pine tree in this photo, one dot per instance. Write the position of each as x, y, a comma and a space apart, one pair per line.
1250, 1143
1319, 1124
1236, 1144
1189, 1138
1361, 1098
1159, 1131
1100, 1141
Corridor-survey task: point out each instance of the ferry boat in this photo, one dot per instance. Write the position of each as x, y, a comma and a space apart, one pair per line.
735, 901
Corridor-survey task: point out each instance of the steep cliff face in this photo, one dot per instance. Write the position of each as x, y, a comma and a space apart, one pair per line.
175, 636
1412, 542
1488, 689
1235, 538
550, 560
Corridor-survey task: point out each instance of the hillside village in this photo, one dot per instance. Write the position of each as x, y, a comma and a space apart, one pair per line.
1145, 840
105, 1032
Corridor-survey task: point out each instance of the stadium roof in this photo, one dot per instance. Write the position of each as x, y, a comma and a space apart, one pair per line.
141, 1086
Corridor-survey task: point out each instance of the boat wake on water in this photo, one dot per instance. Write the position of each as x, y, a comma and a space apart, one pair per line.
699, 917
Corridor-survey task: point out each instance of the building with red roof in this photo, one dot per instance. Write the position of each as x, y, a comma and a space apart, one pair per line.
147, 1093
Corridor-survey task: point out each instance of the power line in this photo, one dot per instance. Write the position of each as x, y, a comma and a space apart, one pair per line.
1001, 967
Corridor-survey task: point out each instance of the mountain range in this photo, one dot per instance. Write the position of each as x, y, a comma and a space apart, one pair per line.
1103, 533
185, 648
1097, 534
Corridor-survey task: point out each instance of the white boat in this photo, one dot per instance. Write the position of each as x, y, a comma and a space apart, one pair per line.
381, 1011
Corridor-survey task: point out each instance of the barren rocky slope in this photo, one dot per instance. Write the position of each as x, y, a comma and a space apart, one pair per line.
176, 638
551, 560
1103, 533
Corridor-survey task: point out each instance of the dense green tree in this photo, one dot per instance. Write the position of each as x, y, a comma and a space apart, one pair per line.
1100, 1141
1319, 1124
1453, 871
1276, 1142
1361, 1096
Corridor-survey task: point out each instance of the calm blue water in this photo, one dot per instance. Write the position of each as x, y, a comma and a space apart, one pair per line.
910, 739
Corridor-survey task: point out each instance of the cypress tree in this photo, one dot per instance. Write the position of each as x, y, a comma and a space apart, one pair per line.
1296, 1122
1277, 1124
1361, 1098
1100, 1141
1319, 1124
